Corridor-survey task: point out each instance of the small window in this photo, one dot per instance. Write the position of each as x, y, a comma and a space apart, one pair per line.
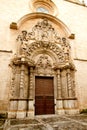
42, 9
43, 6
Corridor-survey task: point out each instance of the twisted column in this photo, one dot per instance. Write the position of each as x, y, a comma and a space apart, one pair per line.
69, 83
22, 82
58, 84
31, 83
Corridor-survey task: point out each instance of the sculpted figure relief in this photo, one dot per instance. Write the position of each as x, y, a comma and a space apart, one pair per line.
45, 36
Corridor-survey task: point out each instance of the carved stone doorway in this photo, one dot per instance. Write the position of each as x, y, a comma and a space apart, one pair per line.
44, 95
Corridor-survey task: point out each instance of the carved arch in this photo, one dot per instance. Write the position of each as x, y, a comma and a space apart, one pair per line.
31, 16
46, 47
47, 52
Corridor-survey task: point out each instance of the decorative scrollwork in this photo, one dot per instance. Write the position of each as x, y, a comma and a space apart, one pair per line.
45, 36
42, 31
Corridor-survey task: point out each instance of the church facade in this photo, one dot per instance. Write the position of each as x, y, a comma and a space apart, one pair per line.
41, 72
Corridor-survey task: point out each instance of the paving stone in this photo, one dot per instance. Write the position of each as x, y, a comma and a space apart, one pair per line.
70, 126
54, 119
50, 123
23, 121
82, 118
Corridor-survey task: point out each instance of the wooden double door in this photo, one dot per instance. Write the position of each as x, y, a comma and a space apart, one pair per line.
44, 95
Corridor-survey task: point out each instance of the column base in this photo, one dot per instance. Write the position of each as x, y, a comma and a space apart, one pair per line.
12, 115
60, 112
22, 107
21, 114
66, 106
59, 107
72, 111
30, 112
70, 104
13, 109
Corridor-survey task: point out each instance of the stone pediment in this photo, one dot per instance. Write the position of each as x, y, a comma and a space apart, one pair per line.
42, 31
44, 36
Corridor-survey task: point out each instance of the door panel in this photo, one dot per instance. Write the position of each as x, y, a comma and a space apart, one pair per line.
44, 95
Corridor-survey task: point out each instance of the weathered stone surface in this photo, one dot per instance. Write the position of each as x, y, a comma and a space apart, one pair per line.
78, 122
10, 85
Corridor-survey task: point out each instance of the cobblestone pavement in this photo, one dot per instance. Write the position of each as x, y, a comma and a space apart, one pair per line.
51, 122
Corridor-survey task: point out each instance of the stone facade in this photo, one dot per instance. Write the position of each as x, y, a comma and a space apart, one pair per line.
41, 44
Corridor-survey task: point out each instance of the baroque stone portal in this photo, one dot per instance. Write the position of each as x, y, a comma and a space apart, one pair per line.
42, 52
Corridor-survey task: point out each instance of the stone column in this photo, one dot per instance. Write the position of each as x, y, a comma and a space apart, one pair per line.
73, 84
64, 84
59, 102
69, 83
31, 100
31, 84
70, 103
64, 88
22, 103
22, 81
58, 84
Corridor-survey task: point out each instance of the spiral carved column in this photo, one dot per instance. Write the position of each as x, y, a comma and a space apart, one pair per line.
31, 100
58, 84
31, 84
22, 103
69, 83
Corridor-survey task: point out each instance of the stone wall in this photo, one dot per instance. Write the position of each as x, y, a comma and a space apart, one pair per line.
74, 16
